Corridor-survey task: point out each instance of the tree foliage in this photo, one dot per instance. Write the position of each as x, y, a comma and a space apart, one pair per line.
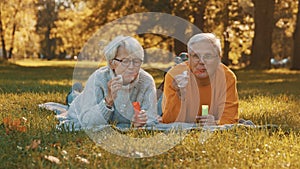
284, 17
250, 30
17, 32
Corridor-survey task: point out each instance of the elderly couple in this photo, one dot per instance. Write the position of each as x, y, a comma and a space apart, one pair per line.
199, 90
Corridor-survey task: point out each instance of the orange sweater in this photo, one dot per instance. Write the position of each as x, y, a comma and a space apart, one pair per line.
206, 95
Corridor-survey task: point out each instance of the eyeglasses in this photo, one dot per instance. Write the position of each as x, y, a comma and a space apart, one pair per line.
205, 58
126, 62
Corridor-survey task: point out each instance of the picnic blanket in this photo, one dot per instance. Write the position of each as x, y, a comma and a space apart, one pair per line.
61, 111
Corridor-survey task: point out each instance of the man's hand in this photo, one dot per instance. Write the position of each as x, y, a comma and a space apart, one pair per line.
179, 84
207, 120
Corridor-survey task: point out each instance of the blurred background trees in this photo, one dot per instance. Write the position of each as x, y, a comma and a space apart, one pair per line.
296, 38
252, 31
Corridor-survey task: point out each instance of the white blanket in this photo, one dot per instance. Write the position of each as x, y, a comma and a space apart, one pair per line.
61, 112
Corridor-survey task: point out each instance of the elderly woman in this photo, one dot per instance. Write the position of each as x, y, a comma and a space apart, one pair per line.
201, 89
110, 91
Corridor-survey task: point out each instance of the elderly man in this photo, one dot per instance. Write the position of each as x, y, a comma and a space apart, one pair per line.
201, 89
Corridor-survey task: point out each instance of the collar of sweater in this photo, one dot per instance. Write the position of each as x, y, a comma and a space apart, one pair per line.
204, 81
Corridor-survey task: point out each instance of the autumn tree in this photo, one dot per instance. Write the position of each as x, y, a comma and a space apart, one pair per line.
17, 21
296, 54
46, 16
192, 11
262, 41
78, 21
285, 17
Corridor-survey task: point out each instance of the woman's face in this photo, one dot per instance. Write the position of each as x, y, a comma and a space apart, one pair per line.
203, 59
126, 65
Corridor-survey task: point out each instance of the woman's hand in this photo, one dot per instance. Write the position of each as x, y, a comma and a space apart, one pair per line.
159, 118
113, 85
140, 118
207, 120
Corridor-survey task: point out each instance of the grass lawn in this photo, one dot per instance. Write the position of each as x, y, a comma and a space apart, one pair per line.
266, 97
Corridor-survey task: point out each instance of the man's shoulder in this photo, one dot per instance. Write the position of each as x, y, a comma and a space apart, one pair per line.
228, 72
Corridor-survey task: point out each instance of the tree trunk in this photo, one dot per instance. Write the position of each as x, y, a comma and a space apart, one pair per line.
199, 16
225, 58
12, 41
2, 39
179, 47
262, 42
13, 32
296, 54
180, 30
48, 43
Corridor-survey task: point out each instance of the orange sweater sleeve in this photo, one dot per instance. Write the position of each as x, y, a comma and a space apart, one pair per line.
230, 114
171, 102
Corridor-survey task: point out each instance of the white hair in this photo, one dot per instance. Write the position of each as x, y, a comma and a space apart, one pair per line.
206, 37
131, 45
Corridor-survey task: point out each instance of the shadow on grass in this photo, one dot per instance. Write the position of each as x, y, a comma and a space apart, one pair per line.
18, 79
254, 82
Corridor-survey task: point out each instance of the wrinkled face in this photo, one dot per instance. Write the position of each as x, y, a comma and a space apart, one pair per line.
126, 65
203, 59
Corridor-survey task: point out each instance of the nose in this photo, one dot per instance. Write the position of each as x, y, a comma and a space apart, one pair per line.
201, 61
131, 64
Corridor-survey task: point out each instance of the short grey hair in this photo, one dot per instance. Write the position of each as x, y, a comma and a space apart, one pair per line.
132, 46
207, 37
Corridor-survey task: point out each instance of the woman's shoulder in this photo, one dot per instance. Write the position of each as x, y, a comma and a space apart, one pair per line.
100, 75
103, 71
145, 75
145, 78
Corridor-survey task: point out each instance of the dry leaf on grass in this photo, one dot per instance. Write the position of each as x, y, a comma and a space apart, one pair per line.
14, 124
83, 160
52, 159
34, 144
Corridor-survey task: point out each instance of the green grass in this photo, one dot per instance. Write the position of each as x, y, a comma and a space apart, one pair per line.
266, 97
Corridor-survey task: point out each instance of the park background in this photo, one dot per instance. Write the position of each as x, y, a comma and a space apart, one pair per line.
41, 40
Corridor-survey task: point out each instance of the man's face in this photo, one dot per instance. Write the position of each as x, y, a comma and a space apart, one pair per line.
203, 59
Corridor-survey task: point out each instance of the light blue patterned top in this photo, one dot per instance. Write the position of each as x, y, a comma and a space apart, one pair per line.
88, 110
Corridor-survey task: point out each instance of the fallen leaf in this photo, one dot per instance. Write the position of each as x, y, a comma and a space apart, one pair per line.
83, 160
22, 129
34, 144
14, 124
6, 121
52, 159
